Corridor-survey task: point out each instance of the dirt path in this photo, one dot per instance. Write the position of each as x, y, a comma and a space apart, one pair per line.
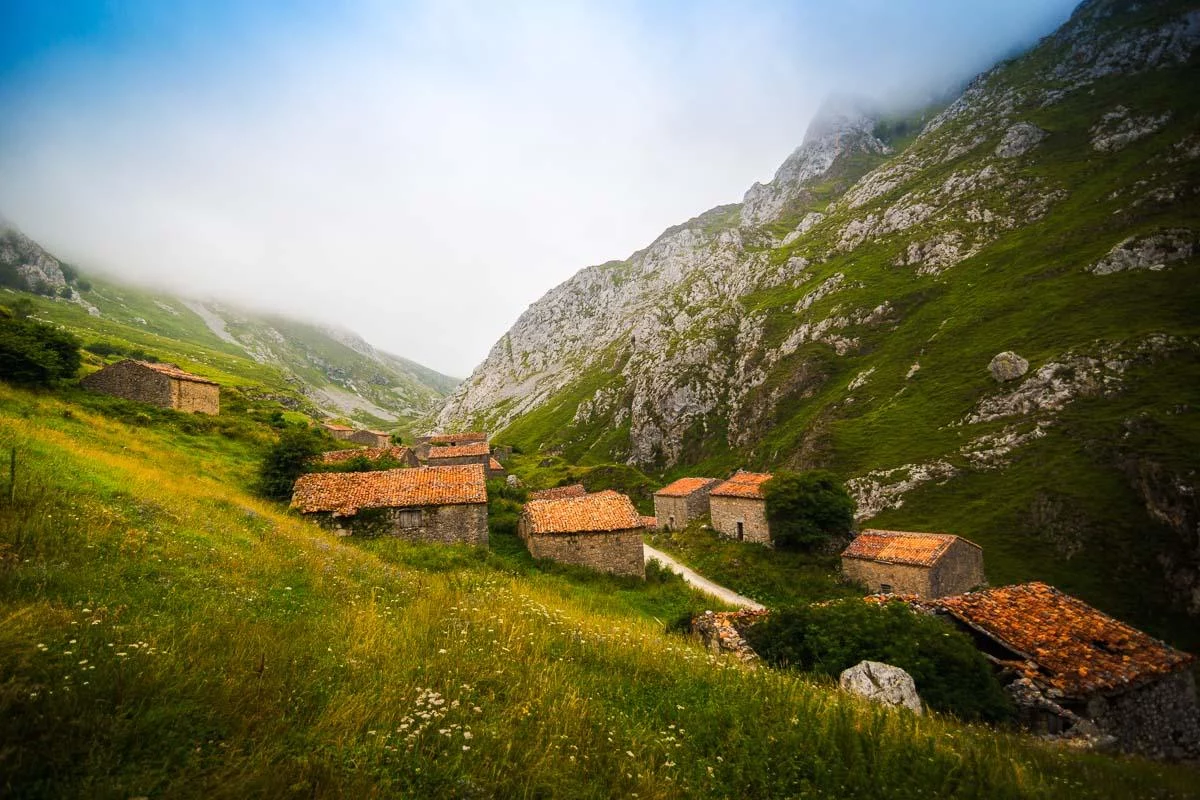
699, 581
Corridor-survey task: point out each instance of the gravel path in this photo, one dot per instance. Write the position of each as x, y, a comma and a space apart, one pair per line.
699, 581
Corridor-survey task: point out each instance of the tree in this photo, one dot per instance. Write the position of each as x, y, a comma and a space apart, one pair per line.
287, 460
33, 353
805, 509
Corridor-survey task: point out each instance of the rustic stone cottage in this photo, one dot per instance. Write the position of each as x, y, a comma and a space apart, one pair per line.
738, 509
453, 439
163, 385
476, 453
602, 531
337, 431
924, 564
370, 438
678, 503
402, 454
1077, 667
559, 492
430, 504
495, 469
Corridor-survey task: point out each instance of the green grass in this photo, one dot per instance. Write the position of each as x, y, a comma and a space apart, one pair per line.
164, 633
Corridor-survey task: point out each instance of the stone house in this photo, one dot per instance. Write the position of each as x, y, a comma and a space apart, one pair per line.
559, 492
602, 531
738, 509
453, 455
370, 438
163, 385
1074, 668
494, 469
453, 439
400, 453
428, 504
343, 432
678, 503
927, 565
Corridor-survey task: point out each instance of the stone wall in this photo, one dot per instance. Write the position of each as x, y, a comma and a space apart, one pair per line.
683, 509
133, 382
616, 552
199, 398
1159, 720
453, 524
902, 578
727, 512
370, 439
458, 460
959, 570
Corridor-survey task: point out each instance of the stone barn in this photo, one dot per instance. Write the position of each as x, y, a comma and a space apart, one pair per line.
559, 492
370, 438
343, 432
458, 454
163, 385
927, 565
1074, 668
678, 503
402, 454
738, 509
428, 504
602, 531
495, 469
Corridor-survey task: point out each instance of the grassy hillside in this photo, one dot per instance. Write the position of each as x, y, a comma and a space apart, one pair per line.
164, 633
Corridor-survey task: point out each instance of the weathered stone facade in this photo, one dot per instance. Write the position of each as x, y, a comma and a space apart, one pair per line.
343, 432
1159, 719
449, 524
682, 502
957, 569
741, 518
455, 461
616, 552
162, 385
370, 438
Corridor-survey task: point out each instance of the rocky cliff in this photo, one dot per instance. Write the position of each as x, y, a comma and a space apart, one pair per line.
849, 314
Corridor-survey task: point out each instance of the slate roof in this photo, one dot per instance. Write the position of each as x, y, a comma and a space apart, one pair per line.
345, 493
901, 547
1068, 645
743, 484
685, 486
469, 436
370, 453
460, 450
600, 512
558, 492
172, 371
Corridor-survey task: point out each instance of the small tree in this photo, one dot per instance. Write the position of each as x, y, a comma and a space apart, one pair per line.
805, 509
287, 460
33, 353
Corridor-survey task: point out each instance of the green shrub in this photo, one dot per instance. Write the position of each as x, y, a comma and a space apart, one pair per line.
287, 460
808, 508
951, 675
33, 353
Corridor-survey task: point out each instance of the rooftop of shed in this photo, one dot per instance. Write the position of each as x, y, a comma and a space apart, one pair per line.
685, 486
345, 493
902, 547
743, 484
600, 512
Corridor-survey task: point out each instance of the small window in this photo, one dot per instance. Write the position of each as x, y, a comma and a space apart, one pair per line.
886, 588
409, 518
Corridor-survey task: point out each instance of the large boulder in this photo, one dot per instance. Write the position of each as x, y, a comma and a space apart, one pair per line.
882, 683
1019, 140
1007, 366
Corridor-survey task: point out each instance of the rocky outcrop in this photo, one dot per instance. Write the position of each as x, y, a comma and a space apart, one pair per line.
882, 683
1153, 252
1019, 140
1007, 366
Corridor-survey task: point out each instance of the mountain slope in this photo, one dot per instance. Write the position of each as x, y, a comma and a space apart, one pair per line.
846, 315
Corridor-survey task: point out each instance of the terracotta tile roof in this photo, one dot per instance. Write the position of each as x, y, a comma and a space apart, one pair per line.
460, 451
559, 492
469, 436
649, 522
901, 547
1069, 645
743, 484
370, 453
685, 486
602, 511
494, 465
344, 493
376, 433
172, 371
333, 426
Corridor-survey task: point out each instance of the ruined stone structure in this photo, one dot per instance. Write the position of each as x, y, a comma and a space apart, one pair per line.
163, 385
1078, 663
370, 438
343, 432
738, 509
678, 503
453, 455
602, 531
927, 565
429, 504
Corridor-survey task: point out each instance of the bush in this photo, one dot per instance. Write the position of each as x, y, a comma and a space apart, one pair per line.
287, 460
951, 675
33, 353
83, 285
806, 509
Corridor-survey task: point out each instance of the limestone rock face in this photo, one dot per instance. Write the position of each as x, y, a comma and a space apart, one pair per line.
1152, 252
882, 683
1007, 366
1019, 140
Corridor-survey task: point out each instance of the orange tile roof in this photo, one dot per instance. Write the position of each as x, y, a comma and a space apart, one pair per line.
559, 492
901, 547
172, 371
603, 511
649, 522
1071, 646
494, 465
685, 486
743, 484
460, 450
333, 426
369, 453
469, 436
344, 493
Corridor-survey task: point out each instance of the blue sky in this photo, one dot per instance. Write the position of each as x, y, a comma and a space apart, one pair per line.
343, 161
